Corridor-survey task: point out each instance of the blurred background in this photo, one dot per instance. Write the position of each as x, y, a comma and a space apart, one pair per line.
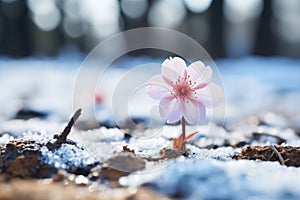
226, 28
254, 43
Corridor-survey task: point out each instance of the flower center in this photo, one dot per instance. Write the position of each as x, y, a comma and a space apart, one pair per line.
183, 91
183, 88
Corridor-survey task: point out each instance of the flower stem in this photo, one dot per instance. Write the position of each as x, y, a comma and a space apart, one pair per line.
183, 133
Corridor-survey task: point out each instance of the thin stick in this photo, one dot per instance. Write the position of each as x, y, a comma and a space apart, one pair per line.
62, 138
183, 133
67, 130
282, 162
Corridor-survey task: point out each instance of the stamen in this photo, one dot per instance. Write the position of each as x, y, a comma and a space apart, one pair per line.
183, 88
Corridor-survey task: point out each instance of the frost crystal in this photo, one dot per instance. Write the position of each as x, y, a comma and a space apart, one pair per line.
67, 156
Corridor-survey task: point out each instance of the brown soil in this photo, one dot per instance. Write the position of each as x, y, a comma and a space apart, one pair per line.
20, 158
121, 164
47, 189
290, 155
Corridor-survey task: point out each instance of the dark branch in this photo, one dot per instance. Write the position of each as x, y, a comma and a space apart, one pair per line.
62, 138
281, 160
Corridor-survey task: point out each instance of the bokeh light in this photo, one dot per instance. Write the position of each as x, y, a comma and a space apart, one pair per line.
225, 28
45, 14
167, 13
197, 6
288, 17
134, 8
240, 11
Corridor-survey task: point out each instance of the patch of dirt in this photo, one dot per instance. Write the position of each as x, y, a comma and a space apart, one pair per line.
47, 189
126, 148
121, 164
126, 161
170, 153
20, 158
144, 193
290, 156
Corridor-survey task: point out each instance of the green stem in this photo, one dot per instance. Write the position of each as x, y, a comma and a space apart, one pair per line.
183, 132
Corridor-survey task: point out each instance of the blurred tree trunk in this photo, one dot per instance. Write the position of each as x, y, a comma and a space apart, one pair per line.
265, 39
216, 43
14, 38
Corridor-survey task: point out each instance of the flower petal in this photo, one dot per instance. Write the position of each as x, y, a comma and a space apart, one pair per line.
157, 87
193, 111
169, 108
211, 95
199, 72
172, 68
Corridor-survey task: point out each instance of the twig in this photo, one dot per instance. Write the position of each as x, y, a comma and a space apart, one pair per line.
271, 156
282, 162
62, 138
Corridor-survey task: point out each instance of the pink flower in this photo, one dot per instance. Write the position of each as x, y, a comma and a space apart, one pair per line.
184, 91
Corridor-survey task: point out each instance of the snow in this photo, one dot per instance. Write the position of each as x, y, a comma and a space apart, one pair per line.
212, 179
63, 158
257, 90
5, 138
103, 134
67, 156
17, 127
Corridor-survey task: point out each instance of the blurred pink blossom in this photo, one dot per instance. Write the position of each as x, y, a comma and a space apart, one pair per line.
184, 91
